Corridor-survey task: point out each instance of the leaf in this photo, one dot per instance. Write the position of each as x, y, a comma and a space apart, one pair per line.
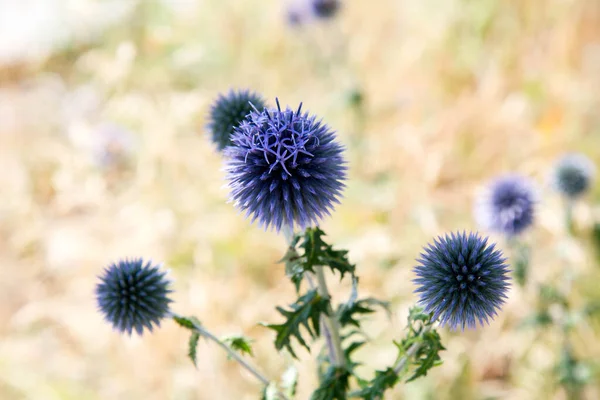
270, 392
186, 322
289, 381
306, 312
239, 343
192, 347
427, 356
317, 252
334, 385
376, 388
348, 312
294, 268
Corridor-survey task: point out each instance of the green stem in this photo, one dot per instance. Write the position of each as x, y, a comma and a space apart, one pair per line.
332, 332
231, 353
569, 217
410, 353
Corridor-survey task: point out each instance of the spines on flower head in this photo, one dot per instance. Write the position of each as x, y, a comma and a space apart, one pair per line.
228, 111
285, 167
133, 295
573, 175
507, 205
462, 279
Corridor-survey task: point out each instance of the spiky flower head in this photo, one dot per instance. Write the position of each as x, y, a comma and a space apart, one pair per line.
285, 168
325, 8
573, 175
507, 205
133, 295
461, 279
228, 111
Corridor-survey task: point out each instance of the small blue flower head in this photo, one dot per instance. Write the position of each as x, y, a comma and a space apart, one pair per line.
133, 295
461, 279
285, 168
228, 111
573, 175
325, 8
508, 205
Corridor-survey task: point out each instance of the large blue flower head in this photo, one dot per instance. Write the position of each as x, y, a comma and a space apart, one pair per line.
133, 295
462, 279
285, 168
508, 205
228, 111
573, 175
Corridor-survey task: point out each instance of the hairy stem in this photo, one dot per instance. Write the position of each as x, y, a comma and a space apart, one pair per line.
410, 353
332, 334
233, 354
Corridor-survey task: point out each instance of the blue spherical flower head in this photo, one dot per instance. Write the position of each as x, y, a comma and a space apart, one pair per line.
133, 295
285, 168
228, 111
461, 279
573, 175
508, 205
325, 8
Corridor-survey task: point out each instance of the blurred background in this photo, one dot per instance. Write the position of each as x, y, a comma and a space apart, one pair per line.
104, 154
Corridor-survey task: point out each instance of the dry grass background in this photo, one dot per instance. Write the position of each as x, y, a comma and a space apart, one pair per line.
454, 91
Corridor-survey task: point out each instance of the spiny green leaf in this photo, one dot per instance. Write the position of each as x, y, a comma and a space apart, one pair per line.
186, 322
239, 343
306, 312
375, 389
318, 252
427, 356
334, 384
193, 346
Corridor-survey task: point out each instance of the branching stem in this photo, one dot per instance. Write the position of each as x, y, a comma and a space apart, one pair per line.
233, 354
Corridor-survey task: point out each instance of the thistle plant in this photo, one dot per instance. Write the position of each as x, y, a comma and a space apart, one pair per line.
507, 206
572, 176
286, 169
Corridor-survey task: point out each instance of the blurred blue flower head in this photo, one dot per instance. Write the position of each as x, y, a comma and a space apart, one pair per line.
325, 8
285, 168
228, 111
573, 175
133, 295
507, 205
461, 279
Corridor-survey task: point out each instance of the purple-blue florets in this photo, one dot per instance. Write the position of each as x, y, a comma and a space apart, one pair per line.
285, 168
133, 295
508, 205
461, 279
228, 111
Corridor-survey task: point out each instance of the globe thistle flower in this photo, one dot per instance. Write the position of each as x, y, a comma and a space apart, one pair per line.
133, 294
573, 175
508, 205
461, 279
325, 8
228, 111
285, 168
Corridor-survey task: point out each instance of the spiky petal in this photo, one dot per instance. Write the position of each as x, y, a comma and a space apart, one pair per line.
133, 295
228, 111
507, 205
573, 175
461, 279
285, 168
